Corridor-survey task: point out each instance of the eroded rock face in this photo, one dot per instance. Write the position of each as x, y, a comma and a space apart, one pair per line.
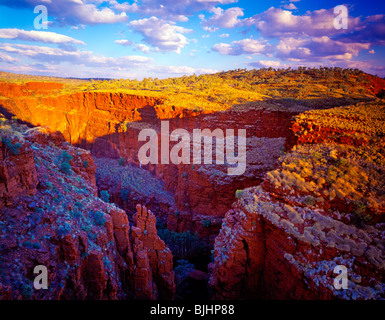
203, 193
13, 90
55, 219
159, 255
283, 239
17, 169
270, 249
81, 117
108, 124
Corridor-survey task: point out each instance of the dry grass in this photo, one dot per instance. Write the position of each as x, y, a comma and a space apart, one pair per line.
367, 118
221, 91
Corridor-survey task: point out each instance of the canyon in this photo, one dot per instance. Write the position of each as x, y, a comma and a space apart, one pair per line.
267, 239
108, 124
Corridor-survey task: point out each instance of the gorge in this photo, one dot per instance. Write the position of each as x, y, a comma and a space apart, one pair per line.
274, 232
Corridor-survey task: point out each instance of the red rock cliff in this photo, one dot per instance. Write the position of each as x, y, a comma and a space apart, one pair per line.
98, 121
50, 215
322, 207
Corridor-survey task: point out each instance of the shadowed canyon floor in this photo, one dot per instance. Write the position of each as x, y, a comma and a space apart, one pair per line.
75, 198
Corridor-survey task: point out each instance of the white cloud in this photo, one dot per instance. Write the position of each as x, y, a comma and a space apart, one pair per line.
161, 34
223, 48
290, 6
58, 62
312, 37
143, 48
89, 14
124, 42
223, 18
245, 46
6, 58
168, 9
74, 12
370, 29
318, 48
56, 56
287, 46
38, 36
276, 22
266, 64
210, 29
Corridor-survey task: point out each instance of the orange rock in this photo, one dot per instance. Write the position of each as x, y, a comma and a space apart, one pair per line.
160, 256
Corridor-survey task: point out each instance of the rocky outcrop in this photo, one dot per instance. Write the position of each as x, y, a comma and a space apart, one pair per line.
273, 250
108, 124
13, 90
81, 117
17, 168
159, 255
56, 220
321, 208
128, 185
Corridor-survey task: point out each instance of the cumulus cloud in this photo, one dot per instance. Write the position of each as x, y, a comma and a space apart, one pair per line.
142, 47
6, 58
74, 12
38, 36
57, 55
210, 29
124, 42
168, 9
55, 61
245, 46
280, 23
161, 34
317, 49
370, 29
276, 22
223, 18
312, 38
290, 6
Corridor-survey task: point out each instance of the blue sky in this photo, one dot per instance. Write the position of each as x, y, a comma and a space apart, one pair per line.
166, 38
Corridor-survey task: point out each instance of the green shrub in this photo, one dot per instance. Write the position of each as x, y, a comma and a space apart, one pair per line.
13, 148
91, 236
309, 200
65, 165
26, 291
359, 212
48, 184
317, 155
105, 196
342, 162
64, 229
238, 194
182, 270
207, 223
98, 218
65, 156
182, 244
